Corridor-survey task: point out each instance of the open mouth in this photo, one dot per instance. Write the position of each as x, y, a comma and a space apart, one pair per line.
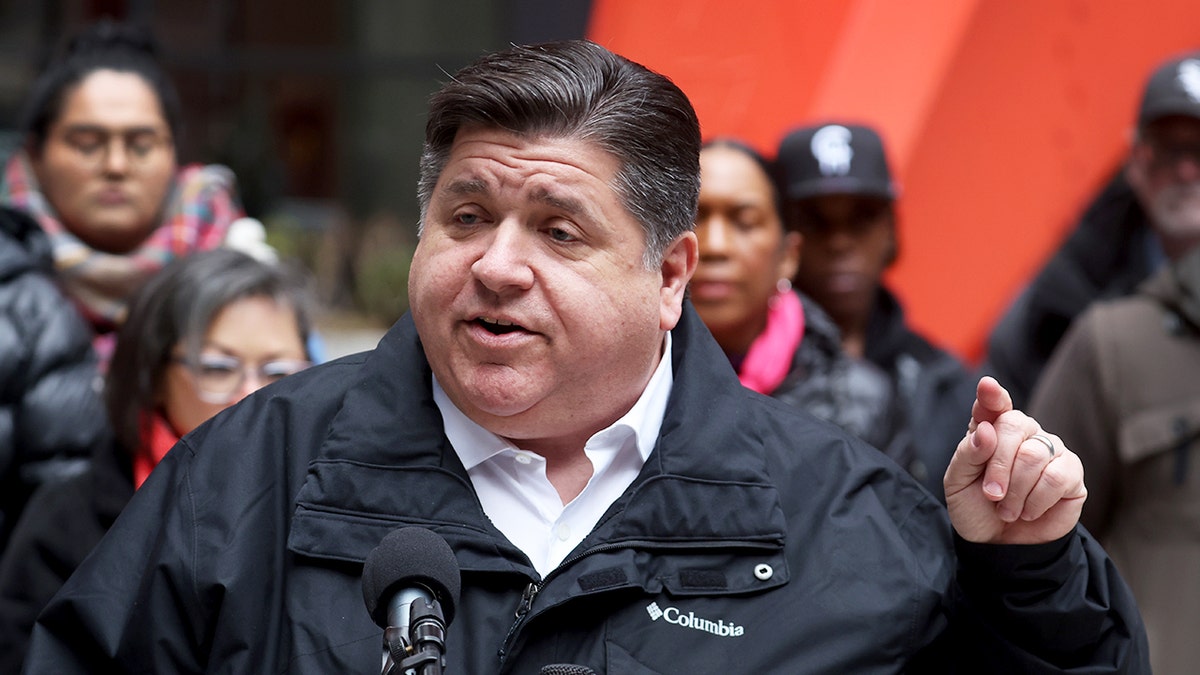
498, 326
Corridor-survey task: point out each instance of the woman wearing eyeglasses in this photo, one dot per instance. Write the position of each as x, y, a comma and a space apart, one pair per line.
98, 176
98, 170
202, 334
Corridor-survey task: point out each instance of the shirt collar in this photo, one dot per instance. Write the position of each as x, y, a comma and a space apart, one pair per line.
476, 445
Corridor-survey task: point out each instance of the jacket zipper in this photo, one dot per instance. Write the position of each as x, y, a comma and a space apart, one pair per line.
534, 587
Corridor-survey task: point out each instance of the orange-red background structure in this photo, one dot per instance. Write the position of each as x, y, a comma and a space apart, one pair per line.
1001, 117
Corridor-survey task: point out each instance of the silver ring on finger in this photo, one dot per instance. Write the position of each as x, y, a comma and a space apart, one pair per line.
1045, 440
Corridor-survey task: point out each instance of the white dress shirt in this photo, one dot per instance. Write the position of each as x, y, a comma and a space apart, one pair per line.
521, 501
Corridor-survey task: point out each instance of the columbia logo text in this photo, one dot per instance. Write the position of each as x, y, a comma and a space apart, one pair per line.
690, 620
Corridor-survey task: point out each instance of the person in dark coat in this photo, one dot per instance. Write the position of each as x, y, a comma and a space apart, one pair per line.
780, 342
1128, 231
1121, 387
48, 372
202, 334
840, 196
98, 169
611, 496
98, 175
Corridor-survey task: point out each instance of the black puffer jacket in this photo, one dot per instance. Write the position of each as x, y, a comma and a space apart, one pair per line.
51, 411
62, 523
852, 393
933, 389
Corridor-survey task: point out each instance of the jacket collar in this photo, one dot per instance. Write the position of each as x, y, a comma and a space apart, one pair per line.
887, 333
386, 463
25, 247
1177, 286
819, 328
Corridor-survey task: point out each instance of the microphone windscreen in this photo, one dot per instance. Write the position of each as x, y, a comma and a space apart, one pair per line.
565, 669
407, 557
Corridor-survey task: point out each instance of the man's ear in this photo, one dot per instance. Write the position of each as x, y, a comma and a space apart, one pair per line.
678, 265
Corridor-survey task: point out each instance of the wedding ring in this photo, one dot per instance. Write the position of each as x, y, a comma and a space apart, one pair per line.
1046, 440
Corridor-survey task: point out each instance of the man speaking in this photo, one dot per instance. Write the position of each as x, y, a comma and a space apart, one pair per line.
554, 409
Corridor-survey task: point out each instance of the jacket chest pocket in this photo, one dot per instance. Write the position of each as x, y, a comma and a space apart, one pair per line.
682, 635
622, 610
764, 633
1159, 449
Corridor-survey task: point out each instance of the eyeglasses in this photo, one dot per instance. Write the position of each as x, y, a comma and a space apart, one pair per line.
219, 378
94, 145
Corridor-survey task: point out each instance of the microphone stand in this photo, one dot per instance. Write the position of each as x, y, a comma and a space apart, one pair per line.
423, 650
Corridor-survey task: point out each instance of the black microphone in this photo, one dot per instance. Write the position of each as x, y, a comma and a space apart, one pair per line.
410, 580
565, 669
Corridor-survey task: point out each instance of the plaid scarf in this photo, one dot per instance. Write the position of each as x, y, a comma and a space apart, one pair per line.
201, 205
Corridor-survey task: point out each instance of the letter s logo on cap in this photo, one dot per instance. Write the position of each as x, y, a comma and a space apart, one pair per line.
831, 146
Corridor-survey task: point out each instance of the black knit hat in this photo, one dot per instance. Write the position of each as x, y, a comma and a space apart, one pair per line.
1173, 89
834, 159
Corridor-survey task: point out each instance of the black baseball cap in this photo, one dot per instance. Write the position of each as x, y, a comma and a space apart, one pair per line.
834, 158
1173, 89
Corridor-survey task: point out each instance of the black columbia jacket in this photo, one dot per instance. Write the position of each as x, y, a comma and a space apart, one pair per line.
755, 540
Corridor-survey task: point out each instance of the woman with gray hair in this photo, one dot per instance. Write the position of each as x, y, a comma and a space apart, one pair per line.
201, 335
93, 203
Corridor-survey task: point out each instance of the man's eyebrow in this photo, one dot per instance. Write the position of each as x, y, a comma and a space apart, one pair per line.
569, 205
465, 187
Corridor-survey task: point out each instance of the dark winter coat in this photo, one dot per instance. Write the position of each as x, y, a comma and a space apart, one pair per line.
756, 539
1123, 390
62, 523
852, 393
51, 411
933, 388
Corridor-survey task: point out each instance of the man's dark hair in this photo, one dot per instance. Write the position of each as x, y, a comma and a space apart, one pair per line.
580, 90
105, 45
